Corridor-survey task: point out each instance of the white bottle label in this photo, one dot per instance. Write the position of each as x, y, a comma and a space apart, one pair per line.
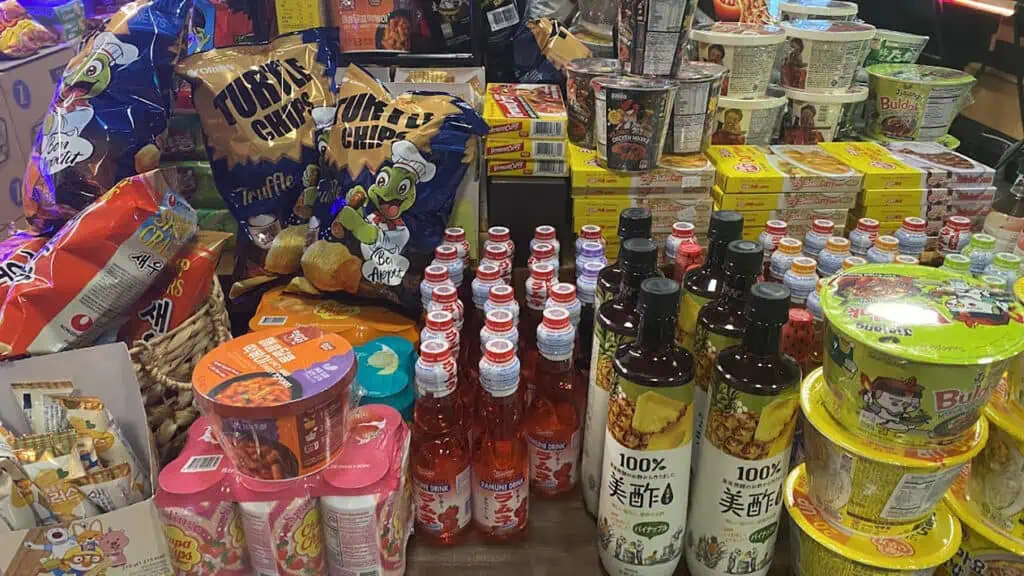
441, 507
553, 463
501, 506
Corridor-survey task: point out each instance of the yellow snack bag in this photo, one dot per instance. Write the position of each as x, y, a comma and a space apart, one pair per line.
16, 498
31, 397
108, 488
51, 461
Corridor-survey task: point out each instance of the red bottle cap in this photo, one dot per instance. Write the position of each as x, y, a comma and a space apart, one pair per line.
542, 251
776, 227
867, 224
446, 252
542, 271
497, 234
486, 272
683, 230
435, 273
556, 318
800, 317
823, 226
590, 232
435, 350
563, 292
501, 294
959, 222
454, 234
914, 224
440, 320
495, 252
544, 232
444, 294
499, 350
499, 320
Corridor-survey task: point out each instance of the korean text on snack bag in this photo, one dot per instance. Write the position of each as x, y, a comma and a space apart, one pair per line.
256, 104
51, 461
112, 102
17, 498
390, 166
107, 255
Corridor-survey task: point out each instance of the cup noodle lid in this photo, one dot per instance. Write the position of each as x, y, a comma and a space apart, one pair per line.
819, 7
775, 98
849, 96
921, 74
738, 34
829, 30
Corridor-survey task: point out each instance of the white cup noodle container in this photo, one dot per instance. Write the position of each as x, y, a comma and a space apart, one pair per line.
579, 100
817, 10
812, 118
752, 121
892, 47
910, 102
631, 118
823, 55
650, 33
693, 112
747, 50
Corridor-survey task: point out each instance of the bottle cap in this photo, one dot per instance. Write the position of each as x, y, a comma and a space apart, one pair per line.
790, 246
906, 259
823, 226
591, 249
487, 272
542, 251
776, 227
499, 350
497, 234
744, 257
690, 255
444, 294
440, 320
639, 254
1006, 261
959, 222
957, 262
563, 293
837, 244
683, 230
495, 252
499, 320
887, 243
851, 261
914, 224
590, 232
726, 226
435, 273
544, 232
592, 269
659, 297
434, 350
804, 265
768, 303
799, 316
542, 271
983, 242
501, 293
454, 234
867, 225
635, 223
556, 318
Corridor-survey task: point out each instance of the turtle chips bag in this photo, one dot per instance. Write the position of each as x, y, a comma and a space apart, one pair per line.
112, 102
390, 167
257, 104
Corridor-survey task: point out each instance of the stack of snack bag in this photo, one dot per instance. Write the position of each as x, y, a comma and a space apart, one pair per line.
527, 130
911, 355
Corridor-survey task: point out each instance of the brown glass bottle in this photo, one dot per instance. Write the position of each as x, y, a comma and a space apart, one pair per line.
649, 437
633, 223
700, 286
721, 323
615, 325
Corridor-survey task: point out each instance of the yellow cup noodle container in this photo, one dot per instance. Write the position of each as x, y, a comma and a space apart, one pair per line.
996, 485
876, 488
821, 548
1016, 370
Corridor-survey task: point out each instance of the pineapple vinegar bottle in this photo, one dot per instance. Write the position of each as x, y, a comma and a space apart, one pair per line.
701, 285
646, 472
752, 416
633, 223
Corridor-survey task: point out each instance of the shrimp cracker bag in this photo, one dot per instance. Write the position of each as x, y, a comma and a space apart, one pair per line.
112, 102
102, 260
108, 488
16, 498
256, 104
51, 462
390, 170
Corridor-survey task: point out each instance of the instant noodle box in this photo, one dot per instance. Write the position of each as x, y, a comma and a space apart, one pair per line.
986, 549
775, 169
791, 216
898, 213
278, 399
911, 165
910, 198
876, 488
913, 353
676, 173
527, 168
781, 201
819, 548
524, 149
534, 111
666, 209
794, 230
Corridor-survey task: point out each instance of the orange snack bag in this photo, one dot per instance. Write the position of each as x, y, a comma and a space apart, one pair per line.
180, 291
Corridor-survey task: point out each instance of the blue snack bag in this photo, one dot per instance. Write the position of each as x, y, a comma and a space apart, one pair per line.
390, 168
112, 102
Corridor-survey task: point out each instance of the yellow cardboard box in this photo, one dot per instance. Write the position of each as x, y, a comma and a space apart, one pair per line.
527, 168
523, 149
896, 197
911, 165
898, 213
526, 111
775, 169
666, 210
758, 218
692, 172
803, 200
796, 230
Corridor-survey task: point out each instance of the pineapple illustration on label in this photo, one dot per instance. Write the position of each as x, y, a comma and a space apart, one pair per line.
706, 347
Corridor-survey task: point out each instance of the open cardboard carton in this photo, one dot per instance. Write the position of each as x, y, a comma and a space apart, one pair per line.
125, 542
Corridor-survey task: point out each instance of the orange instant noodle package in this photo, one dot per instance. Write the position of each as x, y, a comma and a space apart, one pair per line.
356, 323
73, 287
179, 293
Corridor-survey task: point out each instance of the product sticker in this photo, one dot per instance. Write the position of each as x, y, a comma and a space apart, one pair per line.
502, 504
811, 122
442, 508
739, 126
553, 463
501, 15
630, 126
818, 65
916, 492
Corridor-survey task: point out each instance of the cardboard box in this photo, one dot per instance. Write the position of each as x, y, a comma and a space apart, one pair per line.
911, 165
526, 110
775, 169
686, 172
898, 213
472, 76
909, 198
546, 168
797, 231
973, 195
523, 149
758, 218
666, 210
804, 200
108, 374
26, 90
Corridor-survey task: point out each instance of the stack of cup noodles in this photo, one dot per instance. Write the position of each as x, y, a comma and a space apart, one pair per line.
528, 126
352, 517
911, 356
917, 179
911, 102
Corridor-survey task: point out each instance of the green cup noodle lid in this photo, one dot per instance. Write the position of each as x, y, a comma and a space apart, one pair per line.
924, 315
917, 73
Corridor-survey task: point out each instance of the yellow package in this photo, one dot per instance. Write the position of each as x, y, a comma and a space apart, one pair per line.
16, 498
803, 200
777, 169
108, 488
897, 197
30, 396
554, 168
526, 110
880, 167
51, 461
523, 149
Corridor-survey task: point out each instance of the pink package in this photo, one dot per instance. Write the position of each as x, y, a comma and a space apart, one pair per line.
367, 496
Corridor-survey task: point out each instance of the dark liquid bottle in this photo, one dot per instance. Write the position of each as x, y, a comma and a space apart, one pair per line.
752, 416
615, 325
633, 223
649, 438
721, 323
700, 286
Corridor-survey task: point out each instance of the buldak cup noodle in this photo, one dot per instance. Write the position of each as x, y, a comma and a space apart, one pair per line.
390, 166
259, 106
111, 104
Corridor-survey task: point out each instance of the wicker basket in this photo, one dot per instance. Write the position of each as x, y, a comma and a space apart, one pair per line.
164, 369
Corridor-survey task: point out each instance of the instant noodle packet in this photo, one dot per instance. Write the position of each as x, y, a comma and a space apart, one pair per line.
257, 104
111, 104
108, 488
391, 166
183, 289
17, 498
31, 397
51, 461
108, 255
542, 49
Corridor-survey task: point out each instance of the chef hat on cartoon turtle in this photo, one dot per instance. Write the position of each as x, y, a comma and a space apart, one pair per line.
120, 53
404, 154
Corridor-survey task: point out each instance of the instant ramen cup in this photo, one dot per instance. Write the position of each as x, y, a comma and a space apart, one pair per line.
631, 118
278, 399
818, 117
751, 121
875, 488
996, 485
580, 96
651, 35
823, 55
986, 549
892, 47
914, 102
817, 10
698, 87
747, 50
1016, 371
818, 548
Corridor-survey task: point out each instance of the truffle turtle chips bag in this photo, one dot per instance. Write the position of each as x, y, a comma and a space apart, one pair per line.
391, 166
257, 104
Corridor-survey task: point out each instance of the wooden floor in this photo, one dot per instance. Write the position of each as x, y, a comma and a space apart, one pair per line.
559, 542
995, 102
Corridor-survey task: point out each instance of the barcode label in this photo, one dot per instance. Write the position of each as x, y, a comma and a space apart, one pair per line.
549, 149
369, 573
503, 17
273, 320
549, 167
547, 129
202, 463
446, 30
